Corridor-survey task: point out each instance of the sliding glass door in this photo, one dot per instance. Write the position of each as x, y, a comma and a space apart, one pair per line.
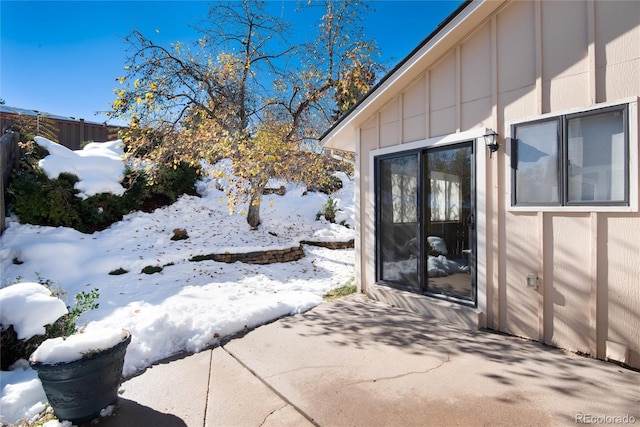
425, 234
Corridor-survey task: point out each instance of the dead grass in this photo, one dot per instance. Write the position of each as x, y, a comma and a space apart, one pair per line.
347, 289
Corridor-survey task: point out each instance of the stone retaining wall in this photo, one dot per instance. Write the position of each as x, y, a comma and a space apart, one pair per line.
258, 257
330, 245
271, 256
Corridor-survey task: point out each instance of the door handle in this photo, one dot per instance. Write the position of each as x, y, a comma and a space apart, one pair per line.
471, 220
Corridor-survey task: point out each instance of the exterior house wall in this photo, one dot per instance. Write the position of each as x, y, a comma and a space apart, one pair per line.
443, 87
414, 104
475, 79
369, 140
516, 62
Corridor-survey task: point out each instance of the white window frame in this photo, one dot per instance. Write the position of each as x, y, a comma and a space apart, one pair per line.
632, 139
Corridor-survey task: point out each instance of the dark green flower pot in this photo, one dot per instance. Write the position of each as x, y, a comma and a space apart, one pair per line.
79, 390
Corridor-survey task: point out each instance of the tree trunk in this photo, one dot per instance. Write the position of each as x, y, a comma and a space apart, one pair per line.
253, 215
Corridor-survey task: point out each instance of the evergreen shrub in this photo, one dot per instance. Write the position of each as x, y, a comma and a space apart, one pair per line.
38, 200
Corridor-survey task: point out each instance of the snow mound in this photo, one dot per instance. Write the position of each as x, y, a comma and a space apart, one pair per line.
74, 347
99, 166
22, 394
29, 307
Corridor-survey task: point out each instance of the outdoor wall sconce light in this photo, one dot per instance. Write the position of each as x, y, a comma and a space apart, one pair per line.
491, 139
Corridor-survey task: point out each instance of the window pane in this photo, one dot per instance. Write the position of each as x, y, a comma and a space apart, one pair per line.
596, 154
398, 221
450, 239
537, 167
445, 197
403, 191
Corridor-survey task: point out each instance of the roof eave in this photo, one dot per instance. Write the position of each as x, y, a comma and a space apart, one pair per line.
341, 135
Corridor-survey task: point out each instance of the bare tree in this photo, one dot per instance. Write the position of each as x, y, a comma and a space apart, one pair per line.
243, 91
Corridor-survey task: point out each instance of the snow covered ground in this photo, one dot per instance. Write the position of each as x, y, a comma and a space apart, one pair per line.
188, 306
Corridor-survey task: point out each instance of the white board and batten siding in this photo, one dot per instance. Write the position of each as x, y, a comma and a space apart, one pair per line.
500, 63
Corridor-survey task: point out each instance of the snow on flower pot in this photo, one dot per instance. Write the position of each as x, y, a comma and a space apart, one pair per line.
81, 374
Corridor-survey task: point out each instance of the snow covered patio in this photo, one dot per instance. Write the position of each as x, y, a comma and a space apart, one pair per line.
359, 362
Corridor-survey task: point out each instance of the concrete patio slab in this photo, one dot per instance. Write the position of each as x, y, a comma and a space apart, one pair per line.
358, 362
170, 394
237, 397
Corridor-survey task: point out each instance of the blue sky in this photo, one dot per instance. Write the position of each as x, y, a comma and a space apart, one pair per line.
63, 57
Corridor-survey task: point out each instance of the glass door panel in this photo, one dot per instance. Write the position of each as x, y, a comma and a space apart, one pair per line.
450, 221
398, 226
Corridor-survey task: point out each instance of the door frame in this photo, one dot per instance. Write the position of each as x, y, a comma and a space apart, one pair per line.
366, 261
473, 301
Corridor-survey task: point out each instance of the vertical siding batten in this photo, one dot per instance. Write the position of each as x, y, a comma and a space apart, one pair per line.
358, 243
593, 300
591, 40
482, 284
538, 56
493, 291
427, 105
541, 277
401, 118
378, 131
548, 278
458, 90
602, 304
497, 166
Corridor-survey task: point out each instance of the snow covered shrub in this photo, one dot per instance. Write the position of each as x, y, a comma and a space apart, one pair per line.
36, 199
40, 200
135, 181
328, 211
101, 210
32, 152
18, 344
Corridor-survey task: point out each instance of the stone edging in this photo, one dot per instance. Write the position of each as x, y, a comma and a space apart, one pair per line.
271, 256
330, 245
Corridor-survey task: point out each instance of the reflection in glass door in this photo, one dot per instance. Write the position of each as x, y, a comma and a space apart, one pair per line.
449, 221
398, 241
425, 213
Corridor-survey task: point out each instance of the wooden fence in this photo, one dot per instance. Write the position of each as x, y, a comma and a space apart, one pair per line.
67, 131
9, 158
73, 134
